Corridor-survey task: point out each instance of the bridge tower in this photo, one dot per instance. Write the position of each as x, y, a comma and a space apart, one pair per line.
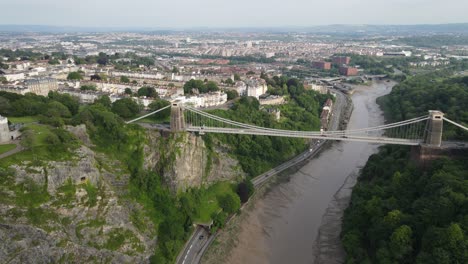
177, 117
433, 133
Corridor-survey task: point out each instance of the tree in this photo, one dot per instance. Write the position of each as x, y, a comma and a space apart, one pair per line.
125, 108
211, 87
102, 59
229, 203
54, 62
71, 102
236, 77
158, 104
124, 79
128, 91
88, 88
229, 81
194, 84
400, 242
175, 69
245, 190
74, 76
250, 73
96, 77
5, 106
104, 101
56, 109
148, 92
232, 94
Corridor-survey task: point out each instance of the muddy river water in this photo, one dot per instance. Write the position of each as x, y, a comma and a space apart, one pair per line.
298, 221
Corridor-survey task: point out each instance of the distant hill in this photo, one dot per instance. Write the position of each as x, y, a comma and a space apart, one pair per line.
459, 28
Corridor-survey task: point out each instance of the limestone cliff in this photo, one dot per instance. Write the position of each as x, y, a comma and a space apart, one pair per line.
185, 161
72, 211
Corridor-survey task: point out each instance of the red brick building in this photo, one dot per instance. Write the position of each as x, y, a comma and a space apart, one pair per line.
341, 60
348, 71
321, 65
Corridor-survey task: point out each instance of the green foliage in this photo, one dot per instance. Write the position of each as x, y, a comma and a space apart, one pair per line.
232, 94
92, 193
400, 214
126, 108
76, 76
436, 91
128, 91
245, 189
201, 86
230, 203
88, 88
54, 62
6, 148
158, 104
104, 101
148, 92
124, 79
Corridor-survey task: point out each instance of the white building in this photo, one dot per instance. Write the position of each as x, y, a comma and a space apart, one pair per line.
14, 76
42, 86
256, 87
204, 100
241, 88
4, 130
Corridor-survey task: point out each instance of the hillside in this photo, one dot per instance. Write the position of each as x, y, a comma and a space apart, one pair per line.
401, 213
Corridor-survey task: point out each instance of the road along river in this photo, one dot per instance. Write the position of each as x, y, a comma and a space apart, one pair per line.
299, 221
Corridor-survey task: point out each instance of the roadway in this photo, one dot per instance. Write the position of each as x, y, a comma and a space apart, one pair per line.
194, 246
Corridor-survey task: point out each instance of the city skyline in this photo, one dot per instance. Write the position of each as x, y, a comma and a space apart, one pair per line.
219, 14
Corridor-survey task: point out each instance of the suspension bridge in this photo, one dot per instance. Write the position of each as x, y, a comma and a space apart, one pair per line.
424, 130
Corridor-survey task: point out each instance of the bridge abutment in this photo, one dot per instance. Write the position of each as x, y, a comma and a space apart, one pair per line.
177, 117
424, 155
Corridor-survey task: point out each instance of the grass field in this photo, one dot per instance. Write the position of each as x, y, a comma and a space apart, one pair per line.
23, 119
6, 148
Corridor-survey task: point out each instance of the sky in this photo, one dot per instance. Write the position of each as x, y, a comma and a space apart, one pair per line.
234, 13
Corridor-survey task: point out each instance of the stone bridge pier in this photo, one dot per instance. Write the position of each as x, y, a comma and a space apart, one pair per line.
177, 117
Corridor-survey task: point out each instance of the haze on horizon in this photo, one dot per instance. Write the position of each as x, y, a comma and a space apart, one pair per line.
223, 13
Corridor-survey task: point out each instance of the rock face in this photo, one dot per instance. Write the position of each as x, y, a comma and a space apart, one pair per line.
185, 161
56, 173
72, 212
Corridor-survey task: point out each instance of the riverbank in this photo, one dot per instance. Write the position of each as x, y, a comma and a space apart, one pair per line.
288, 218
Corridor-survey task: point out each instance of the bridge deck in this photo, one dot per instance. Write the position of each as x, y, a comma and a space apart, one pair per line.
296, 134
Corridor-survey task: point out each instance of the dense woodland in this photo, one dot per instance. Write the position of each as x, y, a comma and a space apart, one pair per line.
401, 213
435, 91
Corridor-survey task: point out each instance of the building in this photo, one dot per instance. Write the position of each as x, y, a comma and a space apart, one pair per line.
275, 112
17, 89
213, 99
322, 89
14, 76
241, 88
323, 65
326, 113
4, 130
341, 60
42, 86
256, 87
348, 71
85, 97
398, 54
271, 100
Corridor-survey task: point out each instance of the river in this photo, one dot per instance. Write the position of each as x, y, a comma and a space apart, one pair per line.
298, 221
